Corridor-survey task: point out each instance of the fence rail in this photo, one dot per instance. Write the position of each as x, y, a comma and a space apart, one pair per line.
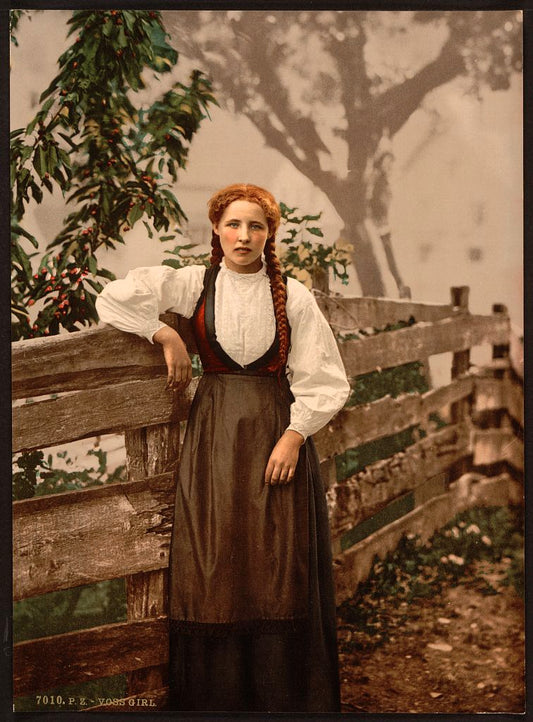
104, 381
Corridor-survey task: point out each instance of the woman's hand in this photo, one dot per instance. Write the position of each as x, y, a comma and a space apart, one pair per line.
283, 459
176, 357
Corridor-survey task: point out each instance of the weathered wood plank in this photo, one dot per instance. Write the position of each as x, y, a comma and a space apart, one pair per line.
85, 359
350, 314
493, 393
354, 426
393, 348
363, 494
81, 537
494, 445
355, 564
100, 411
65, 659
146, 592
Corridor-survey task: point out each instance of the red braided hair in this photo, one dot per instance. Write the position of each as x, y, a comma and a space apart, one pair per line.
217, 204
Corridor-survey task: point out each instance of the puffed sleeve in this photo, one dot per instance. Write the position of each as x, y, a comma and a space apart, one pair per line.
315, 369
134, 303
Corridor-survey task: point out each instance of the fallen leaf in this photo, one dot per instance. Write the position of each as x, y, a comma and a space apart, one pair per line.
435, 695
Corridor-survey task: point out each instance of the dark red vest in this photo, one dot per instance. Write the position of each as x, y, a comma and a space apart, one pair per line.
213, 357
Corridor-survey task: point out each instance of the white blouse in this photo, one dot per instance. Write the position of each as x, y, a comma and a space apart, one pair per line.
245, 326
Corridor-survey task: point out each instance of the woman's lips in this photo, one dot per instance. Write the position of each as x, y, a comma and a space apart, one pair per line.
242, 251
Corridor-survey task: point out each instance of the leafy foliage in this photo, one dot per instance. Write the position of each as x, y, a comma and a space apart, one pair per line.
70, 609
38, 477
181, 257
14, 19
463, 549
303, 253
114, 162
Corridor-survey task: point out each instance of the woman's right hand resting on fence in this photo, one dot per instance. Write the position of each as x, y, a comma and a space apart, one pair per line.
176, 357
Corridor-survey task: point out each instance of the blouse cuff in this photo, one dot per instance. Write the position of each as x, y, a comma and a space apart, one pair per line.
151, 330
298, 428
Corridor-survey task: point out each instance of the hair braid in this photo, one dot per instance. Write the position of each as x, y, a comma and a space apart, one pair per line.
216, 250
279, 297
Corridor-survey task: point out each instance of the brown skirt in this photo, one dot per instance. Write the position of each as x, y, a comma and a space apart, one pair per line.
252, 614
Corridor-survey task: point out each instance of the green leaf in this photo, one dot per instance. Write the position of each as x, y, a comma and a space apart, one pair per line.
147, 226
315, 232
69, 140
93, 268
31, 126
135, 213
39, 161
36, 192
18, 230
104, 273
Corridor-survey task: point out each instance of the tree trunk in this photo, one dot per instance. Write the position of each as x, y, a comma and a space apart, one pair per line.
364, 259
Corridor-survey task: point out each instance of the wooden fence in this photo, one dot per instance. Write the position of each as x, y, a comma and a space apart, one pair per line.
105, 381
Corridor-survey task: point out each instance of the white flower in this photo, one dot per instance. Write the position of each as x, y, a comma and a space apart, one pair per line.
455, 532
473, 529
486, 540
444, 560
456, 560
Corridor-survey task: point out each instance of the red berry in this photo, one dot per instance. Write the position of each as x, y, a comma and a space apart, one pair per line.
31, 302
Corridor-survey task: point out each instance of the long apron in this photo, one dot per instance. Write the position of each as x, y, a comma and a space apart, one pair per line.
252, 609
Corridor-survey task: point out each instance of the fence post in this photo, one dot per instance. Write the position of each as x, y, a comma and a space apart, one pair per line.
320, 279
500, 351
461, 410
151, 450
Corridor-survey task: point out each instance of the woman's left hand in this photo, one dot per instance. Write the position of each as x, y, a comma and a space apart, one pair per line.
283, 459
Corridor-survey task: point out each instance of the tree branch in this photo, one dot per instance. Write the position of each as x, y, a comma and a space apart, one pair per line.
396, 105
330, 184
260, 61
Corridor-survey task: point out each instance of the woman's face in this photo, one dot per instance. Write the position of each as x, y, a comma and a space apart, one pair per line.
243, 231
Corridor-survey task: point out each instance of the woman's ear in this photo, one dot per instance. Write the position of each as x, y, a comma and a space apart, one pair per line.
214, 226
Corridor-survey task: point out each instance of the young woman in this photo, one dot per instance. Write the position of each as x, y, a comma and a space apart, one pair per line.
252, 609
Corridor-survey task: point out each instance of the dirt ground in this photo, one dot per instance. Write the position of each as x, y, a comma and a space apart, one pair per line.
461, 651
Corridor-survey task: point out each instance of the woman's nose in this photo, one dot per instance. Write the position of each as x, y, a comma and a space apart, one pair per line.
243, 233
